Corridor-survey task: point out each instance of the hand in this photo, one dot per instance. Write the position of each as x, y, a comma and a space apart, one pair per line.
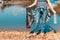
28, 7
54, 11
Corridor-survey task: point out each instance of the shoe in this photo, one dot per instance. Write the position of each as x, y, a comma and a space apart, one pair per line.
32, 32
39, 32
54, 31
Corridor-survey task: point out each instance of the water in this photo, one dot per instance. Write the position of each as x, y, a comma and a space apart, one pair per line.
13, 17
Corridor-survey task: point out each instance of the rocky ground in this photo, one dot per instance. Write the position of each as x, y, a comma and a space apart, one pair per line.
24, 35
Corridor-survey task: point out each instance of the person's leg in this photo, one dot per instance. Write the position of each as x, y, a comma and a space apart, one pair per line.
37, 22
47, 27
29, 17
43, 22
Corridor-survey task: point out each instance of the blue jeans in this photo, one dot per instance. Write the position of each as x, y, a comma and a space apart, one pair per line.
40, 21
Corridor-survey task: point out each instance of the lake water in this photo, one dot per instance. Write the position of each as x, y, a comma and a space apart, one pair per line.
13, 17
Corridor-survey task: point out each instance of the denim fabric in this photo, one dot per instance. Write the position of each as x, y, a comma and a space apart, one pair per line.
40, 21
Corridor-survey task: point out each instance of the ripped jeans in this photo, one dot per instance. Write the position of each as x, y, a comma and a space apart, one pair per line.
40, 21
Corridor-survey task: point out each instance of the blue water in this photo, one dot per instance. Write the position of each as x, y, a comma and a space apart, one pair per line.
13, 17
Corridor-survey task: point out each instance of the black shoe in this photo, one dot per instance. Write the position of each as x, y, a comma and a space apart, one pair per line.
39, 32
54, 31
32, 32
